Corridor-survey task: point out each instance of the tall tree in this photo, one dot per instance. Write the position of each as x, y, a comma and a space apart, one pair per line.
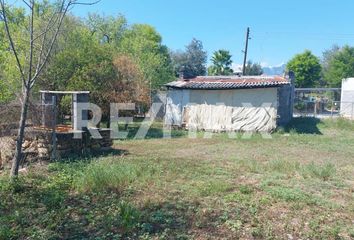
221, 63
339, 65
328, 55
40, 45
144, 45
107, 29
86, 58
307, 69
253, 69
192, 61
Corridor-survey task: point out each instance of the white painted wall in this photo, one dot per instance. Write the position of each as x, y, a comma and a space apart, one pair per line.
347, 101
179, 100
235, 97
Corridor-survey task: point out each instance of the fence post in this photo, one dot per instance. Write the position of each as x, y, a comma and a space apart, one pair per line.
332, 105
352, 116
54, 135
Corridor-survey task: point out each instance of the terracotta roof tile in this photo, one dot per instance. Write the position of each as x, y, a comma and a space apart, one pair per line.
229, 82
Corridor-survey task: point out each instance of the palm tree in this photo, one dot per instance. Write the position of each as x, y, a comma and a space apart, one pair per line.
221, 63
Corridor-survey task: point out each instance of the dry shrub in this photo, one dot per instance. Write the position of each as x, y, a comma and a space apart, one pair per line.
129, 86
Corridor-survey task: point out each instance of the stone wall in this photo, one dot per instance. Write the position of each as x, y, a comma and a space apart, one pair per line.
38, 146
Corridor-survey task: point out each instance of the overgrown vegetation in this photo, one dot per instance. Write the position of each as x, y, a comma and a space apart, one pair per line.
298, 185
98, 54
335, 65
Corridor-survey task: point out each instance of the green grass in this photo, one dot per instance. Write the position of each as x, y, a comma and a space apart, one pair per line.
107, 175
299, 183
324, 172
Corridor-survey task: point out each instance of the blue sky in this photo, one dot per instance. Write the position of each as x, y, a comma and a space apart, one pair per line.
279, 29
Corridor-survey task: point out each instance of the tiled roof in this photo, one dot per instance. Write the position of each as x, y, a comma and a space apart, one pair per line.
229, 82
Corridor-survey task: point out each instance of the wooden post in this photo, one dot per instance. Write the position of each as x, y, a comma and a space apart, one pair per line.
332, 106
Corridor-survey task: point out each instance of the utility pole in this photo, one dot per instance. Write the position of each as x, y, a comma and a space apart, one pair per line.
245, 52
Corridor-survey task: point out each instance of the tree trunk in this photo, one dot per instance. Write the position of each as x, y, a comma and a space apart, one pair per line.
21, 133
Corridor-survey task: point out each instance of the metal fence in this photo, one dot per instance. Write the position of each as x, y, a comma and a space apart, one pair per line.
324, 109
10, 117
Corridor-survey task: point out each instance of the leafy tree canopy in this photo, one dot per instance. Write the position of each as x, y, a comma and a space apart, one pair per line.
307, 69
192, 61
339, 64
9, 75
142, 43
83, 56
253, 69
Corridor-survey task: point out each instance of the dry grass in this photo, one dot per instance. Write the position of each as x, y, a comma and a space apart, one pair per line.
290, 186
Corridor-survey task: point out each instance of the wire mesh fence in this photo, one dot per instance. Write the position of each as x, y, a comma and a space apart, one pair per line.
10, 117
324, 109
10, 114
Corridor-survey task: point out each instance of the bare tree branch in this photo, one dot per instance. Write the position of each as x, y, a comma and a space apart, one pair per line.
75, 2
9, 36
62, 13
49, 25
31, 41
53, 25
45, 59
47, 28
25, 2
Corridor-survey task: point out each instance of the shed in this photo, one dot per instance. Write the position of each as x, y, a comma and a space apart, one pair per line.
230, 103
347, 99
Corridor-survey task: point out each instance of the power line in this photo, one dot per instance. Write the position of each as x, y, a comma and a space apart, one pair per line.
307, 35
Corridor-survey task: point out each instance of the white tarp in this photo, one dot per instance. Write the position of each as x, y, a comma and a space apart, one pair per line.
226, 118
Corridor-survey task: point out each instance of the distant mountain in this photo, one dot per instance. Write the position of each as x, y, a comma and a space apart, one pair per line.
276, 70
269, 70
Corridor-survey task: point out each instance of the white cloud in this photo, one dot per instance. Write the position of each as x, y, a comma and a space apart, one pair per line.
237, 67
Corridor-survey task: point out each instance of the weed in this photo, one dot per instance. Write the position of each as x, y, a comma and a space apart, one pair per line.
213, 188
351, 232
324, 172
290, 194
5, 232
128, 215
108, 175
245, 189
185, 189
282, 166
234, 225
339, 123
15, 185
